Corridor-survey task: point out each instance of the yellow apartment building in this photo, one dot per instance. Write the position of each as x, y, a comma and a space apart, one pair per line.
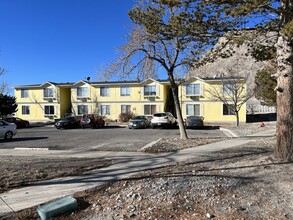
50, 101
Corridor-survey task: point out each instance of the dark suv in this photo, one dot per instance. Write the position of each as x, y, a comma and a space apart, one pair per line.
92, 120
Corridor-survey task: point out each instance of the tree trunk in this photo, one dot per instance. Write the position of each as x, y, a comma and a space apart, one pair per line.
183, 134
284, 148
237, 118
174, 88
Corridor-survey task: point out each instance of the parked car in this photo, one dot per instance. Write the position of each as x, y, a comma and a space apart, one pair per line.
140, 121
68, 122
92, 120
7, 130
194, 121
164, 119
20, 123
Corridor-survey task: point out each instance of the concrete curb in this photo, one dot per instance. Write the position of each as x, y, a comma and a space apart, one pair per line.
228, 132
149, 145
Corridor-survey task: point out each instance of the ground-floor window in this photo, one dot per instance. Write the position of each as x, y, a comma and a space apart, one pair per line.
193, 109
82, 109
105, 110
25, 109
228, 109
49, 110
150, 109
125, 108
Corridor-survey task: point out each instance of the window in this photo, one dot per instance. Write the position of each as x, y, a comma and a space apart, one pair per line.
125, 91
82, 92
24, 93
193, 89
48, 92
150, 109
228, 109
150, 90
82, 109
193, 109
25, 110
49, 110
125, 108
104, 91
229, 88
105, 110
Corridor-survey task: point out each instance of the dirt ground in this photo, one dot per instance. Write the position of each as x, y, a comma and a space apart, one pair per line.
245, 182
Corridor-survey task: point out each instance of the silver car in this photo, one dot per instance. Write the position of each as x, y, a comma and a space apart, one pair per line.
164, 119
7, 130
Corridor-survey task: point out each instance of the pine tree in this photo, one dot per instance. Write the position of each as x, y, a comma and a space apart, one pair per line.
7, 105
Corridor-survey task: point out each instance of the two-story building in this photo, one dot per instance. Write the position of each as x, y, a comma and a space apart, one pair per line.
49, 101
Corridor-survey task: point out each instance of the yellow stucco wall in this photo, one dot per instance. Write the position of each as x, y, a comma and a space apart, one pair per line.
66, 100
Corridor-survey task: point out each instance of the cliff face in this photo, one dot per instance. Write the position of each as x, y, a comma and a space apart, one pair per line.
240, 64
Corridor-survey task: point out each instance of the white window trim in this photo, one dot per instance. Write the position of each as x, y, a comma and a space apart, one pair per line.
49, 114
88, 107
157, 108
200, 108
108, 88
157, 90
190, 95
80, 97
126, 94
49, 97
28, 108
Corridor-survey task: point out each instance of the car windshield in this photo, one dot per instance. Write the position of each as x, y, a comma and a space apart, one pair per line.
68, 118
139, 117
194, 117
160, 115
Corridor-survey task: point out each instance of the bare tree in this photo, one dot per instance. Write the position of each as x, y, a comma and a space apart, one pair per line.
4, 88
169, 36
233, 92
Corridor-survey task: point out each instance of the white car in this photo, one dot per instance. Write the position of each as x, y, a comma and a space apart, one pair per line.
164, 119
7, 130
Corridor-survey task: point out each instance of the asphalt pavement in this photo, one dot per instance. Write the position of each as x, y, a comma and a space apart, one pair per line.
125, 164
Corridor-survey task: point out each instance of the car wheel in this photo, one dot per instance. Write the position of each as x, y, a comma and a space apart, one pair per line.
8, 135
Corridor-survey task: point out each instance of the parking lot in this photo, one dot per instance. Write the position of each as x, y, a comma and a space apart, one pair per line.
109, 138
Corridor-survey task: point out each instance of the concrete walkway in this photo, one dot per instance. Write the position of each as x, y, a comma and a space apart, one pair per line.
125, 164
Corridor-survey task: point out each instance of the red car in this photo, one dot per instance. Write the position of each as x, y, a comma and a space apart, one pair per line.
92, 120
20, 123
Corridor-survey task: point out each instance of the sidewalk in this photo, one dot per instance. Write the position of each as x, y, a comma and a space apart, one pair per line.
125, 164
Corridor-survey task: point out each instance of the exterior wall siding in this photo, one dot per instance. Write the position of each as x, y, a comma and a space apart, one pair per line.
117, 94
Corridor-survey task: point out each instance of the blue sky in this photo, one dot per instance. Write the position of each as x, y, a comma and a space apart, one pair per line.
59, 40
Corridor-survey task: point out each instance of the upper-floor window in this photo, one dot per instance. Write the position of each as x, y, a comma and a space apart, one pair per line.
49, 110
125, 108
228, 109
193, 109
150, 90
193, 89
124, 91
82, 109
49, 92
82, 92
24, 93
229, 87
105, 91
